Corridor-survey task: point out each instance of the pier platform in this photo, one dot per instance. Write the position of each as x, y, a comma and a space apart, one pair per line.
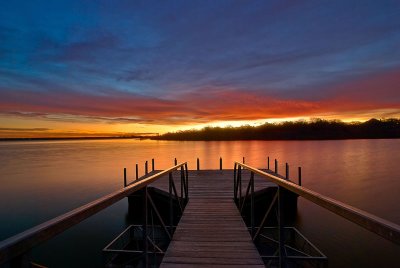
211, 232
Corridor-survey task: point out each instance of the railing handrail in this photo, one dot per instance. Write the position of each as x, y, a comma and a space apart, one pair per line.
22, 242
375, 224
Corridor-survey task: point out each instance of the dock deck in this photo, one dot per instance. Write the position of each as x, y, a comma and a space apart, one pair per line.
211, 232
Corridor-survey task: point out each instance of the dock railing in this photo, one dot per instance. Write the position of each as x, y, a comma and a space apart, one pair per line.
377, 225
14, 250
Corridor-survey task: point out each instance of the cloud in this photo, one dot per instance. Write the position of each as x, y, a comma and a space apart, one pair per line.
198, 61
207, 104
24, 129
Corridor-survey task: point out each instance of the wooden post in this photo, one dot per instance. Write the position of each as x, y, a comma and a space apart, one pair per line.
276, 166
152, 164
287, 171
125, 177
137, 171
220, 163
146, 170
299, 176
268, 163
198, 164
176, 162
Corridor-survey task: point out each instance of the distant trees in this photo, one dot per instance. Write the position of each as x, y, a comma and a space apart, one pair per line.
315, 129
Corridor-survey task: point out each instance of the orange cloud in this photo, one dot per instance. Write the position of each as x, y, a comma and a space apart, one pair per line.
380, 92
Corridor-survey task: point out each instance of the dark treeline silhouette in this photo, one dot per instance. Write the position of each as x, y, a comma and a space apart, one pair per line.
315, 129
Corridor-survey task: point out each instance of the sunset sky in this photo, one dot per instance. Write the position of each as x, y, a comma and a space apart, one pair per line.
81, 68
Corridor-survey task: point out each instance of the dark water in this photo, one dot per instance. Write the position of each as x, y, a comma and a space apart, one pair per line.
40, 180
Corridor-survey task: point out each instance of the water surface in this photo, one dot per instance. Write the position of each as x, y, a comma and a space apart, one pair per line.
40, 180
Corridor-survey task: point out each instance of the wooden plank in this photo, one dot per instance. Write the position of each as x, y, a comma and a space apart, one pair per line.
211, 232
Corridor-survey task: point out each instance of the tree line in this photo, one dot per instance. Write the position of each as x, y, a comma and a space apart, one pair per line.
315, 129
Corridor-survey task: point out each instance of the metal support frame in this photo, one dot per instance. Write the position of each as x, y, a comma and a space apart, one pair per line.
388, 230
181, 199
255, 232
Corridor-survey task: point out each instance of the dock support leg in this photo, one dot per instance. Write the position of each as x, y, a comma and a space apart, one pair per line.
282, 261
171, 207
252, 203
145, 224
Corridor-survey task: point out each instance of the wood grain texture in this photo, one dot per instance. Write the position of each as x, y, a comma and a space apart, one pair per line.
211, 232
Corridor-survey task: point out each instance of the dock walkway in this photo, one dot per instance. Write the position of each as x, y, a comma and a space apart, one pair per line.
211, 232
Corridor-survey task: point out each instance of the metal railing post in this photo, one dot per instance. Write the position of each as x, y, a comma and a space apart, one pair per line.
145, 224
299, 169
276, 166
268, 162
240, 184
152, 164
220, 163
137, 171
171, 208
282, 261
252, 203
125, 177
287, 171
176, 162
198, 164
187, 182
234, 183
146, 168
182, 181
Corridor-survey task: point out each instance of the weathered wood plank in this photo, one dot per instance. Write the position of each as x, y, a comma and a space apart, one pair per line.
211, 232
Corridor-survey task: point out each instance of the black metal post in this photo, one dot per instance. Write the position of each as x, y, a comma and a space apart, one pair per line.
234, 183
198, 164
252, 203
240, 184
299, 176
220, 163
268, 163
187, 182
152, 164
171, 208
146, 169
145, 224
276, 166
176, 162
137, 171
125, 177
243, 160
182, 182
282, 261
287, 171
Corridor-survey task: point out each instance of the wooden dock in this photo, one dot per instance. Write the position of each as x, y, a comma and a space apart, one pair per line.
211, 232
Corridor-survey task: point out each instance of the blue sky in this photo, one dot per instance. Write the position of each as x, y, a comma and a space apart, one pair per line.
160, 63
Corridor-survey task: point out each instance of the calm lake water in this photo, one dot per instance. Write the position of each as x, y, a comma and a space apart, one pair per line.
41, 180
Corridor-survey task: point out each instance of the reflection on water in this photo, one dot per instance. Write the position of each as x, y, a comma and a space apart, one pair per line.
40, 180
